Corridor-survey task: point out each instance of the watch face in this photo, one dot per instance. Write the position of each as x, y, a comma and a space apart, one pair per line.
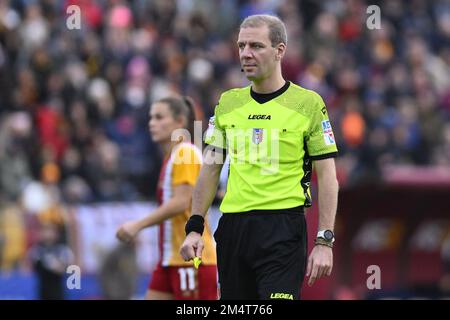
328, 235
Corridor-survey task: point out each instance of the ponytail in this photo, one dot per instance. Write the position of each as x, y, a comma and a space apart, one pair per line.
190, 115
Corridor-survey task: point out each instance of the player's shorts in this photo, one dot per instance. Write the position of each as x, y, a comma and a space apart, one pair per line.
261, 254
186, 283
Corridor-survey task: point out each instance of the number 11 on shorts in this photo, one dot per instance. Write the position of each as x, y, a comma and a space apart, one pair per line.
187, 279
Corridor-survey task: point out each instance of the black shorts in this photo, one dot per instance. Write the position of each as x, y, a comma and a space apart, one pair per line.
261, 254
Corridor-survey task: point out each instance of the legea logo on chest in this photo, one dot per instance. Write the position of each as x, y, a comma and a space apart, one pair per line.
259, 117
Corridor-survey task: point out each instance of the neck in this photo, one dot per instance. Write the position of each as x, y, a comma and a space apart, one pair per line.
168, 146
269, 85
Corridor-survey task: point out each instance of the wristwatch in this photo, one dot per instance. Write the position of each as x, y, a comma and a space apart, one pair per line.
326, 235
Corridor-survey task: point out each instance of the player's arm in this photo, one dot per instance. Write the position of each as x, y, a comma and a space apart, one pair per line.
320, 261
204, 192
179, 203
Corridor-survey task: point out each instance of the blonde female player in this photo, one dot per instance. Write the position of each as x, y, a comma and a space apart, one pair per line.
174, 278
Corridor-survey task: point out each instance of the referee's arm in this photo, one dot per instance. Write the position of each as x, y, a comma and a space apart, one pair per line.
320, 261
328, 192
208, 180
202, 197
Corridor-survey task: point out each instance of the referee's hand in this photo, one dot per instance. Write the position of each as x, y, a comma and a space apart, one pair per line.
192, 246
320, 263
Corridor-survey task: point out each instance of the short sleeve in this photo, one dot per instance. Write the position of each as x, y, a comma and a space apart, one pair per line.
215, 134
186, 165
320, 140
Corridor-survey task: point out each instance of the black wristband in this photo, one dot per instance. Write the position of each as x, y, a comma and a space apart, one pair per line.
195, 223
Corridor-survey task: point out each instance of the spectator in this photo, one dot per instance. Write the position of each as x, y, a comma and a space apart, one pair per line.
50, 259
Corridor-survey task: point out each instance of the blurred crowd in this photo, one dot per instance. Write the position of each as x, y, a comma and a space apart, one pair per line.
74, 103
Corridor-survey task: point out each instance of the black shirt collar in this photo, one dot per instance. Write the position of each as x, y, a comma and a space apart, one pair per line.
264, 97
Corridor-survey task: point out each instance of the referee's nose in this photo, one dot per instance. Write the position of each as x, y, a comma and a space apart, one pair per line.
246, 53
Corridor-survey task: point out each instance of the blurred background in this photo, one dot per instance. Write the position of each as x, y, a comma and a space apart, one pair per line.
76, 159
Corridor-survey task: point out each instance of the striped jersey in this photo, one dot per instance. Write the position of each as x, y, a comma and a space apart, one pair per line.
181, 167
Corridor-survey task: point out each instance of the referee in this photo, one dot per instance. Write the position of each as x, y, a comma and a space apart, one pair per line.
274, 132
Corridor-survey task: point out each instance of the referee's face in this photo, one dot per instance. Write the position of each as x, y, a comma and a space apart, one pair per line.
257, 56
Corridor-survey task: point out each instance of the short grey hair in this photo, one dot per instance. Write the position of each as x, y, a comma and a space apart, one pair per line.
277, 29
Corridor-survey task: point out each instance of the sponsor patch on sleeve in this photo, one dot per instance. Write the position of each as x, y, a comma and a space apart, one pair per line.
328, 133
211, 127
212, 121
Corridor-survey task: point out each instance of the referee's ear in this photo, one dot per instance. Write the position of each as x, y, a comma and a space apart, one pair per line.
280, 51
